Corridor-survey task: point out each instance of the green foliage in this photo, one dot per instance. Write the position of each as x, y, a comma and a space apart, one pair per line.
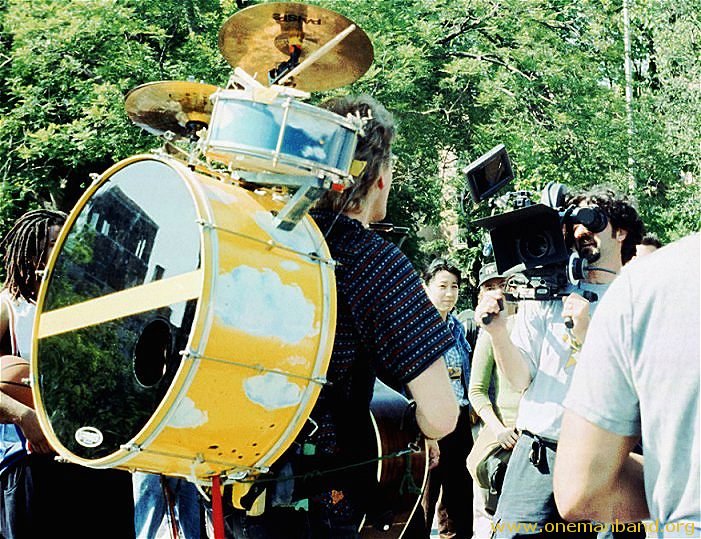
544, 77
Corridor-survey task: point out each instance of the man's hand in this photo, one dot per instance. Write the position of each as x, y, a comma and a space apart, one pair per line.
576, 307
29, 425
490, 306
434, 453
507, 437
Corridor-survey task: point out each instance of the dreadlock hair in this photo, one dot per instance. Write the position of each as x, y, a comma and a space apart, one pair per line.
621, 214
374, 145
26, 246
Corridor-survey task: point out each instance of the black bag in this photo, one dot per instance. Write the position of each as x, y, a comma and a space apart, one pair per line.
491, 471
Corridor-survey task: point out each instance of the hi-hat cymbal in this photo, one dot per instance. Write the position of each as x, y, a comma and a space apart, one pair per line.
182, 107
257, 39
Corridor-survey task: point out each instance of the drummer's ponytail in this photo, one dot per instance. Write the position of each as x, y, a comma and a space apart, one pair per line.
373, 148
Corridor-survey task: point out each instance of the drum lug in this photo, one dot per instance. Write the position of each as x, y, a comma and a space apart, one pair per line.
206, 225
189, 354
131, 447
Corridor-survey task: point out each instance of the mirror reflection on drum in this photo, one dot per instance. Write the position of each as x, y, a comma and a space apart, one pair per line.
179, 330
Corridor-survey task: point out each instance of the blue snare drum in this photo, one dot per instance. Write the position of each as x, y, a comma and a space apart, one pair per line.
285, 136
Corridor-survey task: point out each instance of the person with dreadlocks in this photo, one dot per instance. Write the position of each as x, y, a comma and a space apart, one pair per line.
386, 327
27, 247
40, 497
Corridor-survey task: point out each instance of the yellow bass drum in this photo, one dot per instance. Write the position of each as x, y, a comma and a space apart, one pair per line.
178, 331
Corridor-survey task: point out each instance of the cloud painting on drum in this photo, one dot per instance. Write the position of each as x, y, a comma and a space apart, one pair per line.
258, 303
187, 415
272, 391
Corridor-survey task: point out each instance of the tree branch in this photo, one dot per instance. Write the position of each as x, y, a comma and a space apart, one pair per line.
495, 60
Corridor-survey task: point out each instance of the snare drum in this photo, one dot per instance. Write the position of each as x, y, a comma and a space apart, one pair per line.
179, 331
285, 136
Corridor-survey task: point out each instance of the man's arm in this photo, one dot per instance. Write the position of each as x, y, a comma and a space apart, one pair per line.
596, 477
436, 406
507, 356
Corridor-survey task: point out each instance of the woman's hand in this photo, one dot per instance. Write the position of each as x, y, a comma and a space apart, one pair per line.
507, 437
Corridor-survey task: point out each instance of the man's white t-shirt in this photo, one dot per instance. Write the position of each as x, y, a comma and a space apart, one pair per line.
639, 373
541, 335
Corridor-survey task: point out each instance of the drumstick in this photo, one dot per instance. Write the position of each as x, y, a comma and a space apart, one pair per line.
313, 57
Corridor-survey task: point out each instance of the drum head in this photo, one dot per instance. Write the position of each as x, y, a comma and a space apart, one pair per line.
113, 318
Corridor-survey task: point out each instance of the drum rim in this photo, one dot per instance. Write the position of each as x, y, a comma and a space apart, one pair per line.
297, 164
279, 102
127, 456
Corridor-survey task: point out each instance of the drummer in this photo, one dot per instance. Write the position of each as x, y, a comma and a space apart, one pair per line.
40, 497
386, 327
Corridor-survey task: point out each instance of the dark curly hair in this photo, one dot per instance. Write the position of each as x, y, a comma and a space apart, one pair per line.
620, 212
373, 147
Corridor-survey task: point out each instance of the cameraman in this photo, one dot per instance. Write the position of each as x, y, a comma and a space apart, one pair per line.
538, 359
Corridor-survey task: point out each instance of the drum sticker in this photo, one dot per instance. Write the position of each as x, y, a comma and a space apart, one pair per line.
88, 436
187, 415
258, 303
272, 391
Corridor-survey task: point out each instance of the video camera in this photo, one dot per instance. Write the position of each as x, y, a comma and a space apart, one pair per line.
528, 242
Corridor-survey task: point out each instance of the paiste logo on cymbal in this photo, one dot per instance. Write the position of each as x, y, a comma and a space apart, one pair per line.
293, 17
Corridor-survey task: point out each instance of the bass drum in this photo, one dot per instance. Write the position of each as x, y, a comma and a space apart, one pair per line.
178, 331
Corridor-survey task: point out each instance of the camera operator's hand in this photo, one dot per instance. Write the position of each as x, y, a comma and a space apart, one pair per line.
576, 308
487, 312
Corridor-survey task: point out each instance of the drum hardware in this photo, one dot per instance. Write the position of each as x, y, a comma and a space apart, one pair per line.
241, 80
256, 367
284, 35
293, 69
270, 244
297, 207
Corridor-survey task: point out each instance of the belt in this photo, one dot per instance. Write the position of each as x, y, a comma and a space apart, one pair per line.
550, 444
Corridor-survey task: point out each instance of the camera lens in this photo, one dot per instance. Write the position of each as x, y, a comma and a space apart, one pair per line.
535, 246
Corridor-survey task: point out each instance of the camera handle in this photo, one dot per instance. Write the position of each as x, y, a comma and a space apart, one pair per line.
487, 318
590, 297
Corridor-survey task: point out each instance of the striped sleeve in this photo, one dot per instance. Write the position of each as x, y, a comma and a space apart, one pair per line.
394, 313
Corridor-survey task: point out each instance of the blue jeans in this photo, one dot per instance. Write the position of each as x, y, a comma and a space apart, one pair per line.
527, 495
151, 506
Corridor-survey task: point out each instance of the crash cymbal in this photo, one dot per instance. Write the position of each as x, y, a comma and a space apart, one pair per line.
258, 39
182, 107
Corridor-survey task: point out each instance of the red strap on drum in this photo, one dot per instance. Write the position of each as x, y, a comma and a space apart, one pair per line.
217, 511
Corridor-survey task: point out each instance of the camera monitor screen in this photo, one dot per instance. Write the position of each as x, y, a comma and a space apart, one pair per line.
489, 173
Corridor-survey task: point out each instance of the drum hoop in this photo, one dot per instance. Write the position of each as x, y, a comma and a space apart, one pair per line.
124, 453
284, 102
202, 326
297, 163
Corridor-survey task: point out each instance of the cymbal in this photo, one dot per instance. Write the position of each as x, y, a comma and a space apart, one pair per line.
182, 107
257, 39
